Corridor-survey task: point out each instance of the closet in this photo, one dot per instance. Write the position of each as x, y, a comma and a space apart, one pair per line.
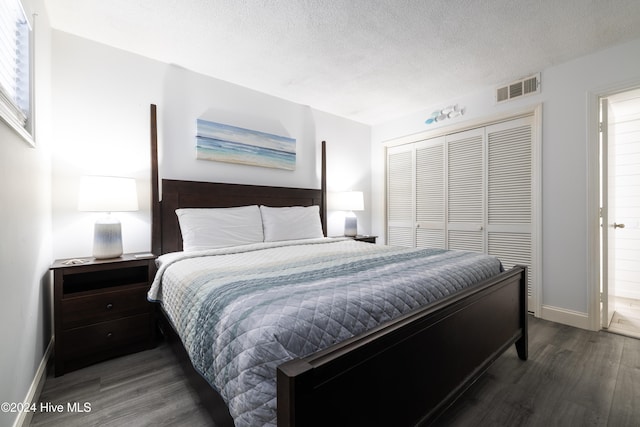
471, 190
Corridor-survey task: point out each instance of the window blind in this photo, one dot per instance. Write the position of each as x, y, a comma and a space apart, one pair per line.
14, 63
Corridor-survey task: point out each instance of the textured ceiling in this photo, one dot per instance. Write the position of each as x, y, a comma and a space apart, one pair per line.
366, 60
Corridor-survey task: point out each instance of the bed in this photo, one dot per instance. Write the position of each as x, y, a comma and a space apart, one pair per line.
401, 362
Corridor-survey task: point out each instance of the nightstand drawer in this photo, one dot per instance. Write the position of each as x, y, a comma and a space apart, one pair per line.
101, 338
85, 310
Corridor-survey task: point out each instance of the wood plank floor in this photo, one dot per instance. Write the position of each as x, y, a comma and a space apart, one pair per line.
572, 378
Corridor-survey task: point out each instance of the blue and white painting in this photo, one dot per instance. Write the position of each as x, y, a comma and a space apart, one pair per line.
225, 143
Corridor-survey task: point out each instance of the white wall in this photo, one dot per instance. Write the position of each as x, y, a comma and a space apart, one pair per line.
566, 295
101, 100
25, 238
101, 104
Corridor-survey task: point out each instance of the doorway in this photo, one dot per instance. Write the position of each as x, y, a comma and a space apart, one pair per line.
620, 212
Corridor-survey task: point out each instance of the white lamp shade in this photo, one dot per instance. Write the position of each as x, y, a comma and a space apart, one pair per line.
346, 201
107, 194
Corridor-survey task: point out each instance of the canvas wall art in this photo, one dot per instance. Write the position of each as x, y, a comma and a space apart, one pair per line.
224, 143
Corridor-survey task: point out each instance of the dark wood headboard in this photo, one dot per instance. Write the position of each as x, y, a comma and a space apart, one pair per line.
165, 230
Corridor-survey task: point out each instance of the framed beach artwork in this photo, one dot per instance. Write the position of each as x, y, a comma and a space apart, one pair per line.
224, 143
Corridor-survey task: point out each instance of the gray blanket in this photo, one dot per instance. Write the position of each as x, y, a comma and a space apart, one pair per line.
243, 311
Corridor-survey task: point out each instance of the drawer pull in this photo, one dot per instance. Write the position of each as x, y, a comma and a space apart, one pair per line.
109, 306
109, 334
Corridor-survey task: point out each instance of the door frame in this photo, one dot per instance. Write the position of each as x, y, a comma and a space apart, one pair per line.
594, 243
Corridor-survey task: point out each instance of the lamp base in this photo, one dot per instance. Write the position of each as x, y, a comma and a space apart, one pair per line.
350, 225
107, 238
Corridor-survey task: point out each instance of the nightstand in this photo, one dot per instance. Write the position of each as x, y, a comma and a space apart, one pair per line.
365, 238
101, 309
361, 238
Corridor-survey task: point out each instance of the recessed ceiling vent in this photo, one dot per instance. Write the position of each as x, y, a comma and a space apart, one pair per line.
519, 88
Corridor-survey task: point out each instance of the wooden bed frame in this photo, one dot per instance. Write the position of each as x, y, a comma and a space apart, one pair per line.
404, 372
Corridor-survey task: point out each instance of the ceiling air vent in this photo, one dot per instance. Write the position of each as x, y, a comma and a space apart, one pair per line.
526, 86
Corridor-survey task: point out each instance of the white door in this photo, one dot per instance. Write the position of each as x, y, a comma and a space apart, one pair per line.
510, 196
475, 190
401, 177
621, 200
430, 194
465, 190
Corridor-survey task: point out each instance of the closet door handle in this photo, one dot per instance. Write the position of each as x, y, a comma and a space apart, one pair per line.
616, 225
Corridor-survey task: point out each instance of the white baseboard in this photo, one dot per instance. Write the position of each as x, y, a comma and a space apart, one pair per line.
33, 395
566, 317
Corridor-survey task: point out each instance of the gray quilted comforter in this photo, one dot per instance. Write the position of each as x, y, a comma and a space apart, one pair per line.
242, 311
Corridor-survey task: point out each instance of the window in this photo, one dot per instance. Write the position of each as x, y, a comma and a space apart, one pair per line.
15, 68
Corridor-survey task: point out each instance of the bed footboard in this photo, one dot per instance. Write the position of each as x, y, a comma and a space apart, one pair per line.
408, 371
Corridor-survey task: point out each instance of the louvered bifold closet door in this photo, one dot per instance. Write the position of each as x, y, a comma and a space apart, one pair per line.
400, 196
510, 193
430, 194
465, 189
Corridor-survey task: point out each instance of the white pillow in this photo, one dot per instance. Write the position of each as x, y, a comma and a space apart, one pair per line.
292, 223
209, 228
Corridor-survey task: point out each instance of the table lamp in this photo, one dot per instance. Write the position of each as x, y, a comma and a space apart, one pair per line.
107, 194
348, 201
